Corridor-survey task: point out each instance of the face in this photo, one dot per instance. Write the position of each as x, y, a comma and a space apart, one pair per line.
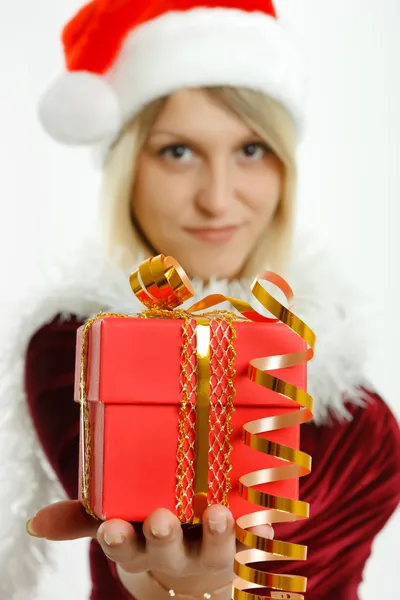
206, 186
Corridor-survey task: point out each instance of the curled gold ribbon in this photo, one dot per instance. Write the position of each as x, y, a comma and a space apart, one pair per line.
162, 285
295, 462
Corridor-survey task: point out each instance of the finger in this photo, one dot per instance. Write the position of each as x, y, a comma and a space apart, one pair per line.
66, 520
165, 545
218, 548
264, 531
121, 544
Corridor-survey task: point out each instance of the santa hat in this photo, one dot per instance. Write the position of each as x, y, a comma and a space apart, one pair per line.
122, 54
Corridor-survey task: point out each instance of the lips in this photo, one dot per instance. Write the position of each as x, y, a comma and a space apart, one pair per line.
213, 234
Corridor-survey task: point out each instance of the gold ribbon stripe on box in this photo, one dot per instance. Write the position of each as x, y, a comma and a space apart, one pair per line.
160, 283
213, 438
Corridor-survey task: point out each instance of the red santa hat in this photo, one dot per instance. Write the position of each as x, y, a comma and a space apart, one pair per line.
122, 54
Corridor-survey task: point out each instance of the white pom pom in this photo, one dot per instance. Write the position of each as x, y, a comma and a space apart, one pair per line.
80, 108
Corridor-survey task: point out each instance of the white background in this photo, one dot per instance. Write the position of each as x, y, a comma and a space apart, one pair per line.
350, 176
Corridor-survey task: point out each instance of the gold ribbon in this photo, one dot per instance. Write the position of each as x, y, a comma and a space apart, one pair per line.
296, 462
202, 418
161, 284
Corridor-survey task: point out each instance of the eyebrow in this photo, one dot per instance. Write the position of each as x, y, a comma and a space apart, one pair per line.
170, 133
188, 138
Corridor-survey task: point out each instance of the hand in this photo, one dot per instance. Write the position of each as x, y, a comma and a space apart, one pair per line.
189, 567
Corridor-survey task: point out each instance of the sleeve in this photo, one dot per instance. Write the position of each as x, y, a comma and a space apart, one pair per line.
49, 384
361, 483
353, 490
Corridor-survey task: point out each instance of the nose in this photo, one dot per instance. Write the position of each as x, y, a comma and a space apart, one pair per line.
216, 189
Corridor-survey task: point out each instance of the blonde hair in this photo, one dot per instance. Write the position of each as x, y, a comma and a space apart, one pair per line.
264, 116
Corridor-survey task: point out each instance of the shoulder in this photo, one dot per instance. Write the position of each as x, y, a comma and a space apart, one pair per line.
366, 445
376, 434
376, 413
50, 350
372, 425
355, 467
375, 424
58, 328
337, 312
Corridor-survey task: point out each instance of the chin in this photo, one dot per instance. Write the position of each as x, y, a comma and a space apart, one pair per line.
212, 268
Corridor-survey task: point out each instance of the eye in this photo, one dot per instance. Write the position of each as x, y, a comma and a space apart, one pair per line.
177, 152
254, 151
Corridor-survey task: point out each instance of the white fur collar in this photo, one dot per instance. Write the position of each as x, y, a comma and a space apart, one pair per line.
86, 286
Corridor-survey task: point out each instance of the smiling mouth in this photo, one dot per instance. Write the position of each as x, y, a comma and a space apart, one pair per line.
213, 234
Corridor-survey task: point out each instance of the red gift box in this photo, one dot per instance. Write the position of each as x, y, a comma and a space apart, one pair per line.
134, 399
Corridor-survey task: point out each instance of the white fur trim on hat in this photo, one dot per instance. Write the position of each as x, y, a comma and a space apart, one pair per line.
180, 49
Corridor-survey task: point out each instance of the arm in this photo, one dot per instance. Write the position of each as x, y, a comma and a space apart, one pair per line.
353, 490
364, 476
49, 381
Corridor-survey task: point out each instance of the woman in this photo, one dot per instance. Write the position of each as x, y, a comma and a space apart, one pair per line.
196, 111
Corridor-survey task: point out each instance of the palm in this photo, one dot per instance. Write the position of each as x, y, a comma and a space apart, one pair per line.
178, 562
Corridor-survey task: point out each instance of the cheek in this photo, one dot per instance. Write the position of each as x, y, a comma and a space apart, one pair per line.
155, 200
264, 194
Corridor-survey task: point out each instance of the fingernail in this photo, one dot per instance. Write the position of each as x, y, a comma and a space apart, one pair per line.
219, 526
113, 538
161, 531
30, 530
110, 536
272, 532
